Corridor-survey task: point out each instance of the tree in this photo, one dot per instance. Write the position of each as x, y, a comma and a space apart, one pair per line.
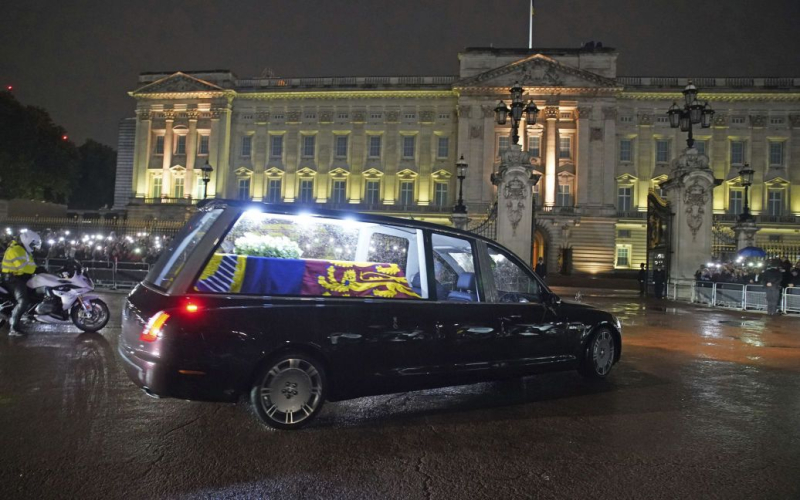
36, 161
94, 183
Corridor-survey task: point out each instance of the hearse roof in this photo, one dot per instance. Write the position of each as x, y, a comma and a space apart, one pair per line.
290, 209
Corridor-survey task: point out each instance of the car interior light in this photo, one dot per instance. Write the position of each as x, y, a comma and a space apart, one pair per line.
153, 328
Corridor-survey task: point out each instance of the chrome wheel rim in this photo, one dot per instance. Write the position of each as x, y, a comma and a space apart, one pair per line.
603, 352
291, 391
94, 317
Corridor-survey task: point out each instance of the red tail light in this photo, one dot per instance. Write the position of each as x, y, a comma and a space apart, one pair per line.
192, 308
153, 329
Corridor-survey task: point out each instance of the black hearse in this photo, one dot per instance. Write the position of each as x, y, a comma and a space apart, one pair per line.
295, 306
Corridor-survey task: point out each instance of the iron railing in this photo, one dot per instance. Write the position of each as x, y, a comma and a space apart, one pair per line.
743, 297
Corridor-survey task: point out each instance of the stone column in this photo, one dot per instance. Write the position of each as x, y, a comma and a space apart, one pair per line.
690, 190
167, 160
550, 161
459, 221
515, 180
582, 160
141, 152
745, 233
191, 154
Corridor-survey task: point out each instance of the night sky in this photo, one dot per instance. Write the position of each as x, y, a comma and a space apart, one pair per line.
78, 58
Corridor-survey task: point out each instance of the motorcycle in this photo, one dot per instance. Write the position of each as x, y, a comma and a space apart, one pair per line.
61, 298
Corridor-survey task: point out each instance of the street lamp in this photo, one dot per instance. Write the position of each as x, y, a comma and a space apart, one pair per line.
206, 170
693, 112
518, 107
461, 168
747, 180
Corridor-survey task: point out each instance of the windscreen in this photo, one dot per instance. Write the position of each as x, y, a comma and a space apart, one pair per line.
175, 256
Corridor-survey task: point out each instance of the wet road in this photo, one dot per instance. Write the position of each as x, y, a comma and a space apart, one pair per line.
704, 404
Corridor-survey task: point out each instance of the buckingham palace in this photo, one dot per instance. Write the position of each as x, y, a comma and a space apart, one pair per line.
390, 145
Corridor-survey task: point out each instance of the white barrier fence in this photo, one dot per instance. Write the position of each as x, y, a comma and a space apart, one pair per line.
743, 297
106, 274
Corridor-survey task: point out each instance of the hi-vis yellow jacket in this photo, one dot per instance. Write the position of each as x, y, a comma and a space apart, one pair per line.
18, 261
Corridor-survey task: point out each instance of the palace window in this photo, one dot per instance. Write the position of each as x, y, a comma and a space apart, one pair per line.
625, 150
662, 151
737, 153
247, 145
564, 194
306, 190
735, 201
503, 142
341, 146
276, 146
159, 144
202, 146
406, 193
624, 198
180, 145
440, 194
274, 191
309, 145
374, 146
244, 188
565, 147
339, 191
443, 149
155, 191
775, 154
775, 202
372, 192
177, 188
409, 143
534, 146
700, 146
623, 255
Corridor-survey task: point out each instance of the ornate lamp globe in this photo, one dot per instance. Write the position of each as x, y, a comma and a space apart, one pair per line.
501, 113
531, 111
708, 115
674, 115
690, 93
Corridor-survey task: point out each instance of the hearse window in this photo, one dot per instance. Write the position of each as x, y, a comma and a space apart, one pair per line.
175, 255
512, 282
454, 269
303, 255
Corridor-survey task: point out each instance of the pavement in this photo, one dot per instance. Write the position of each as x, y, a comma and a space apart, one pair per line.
705, 403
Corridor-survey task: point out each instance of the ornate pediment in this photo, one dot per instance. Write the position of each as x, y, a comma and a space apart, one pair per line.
243, 172
538, 71
177, 83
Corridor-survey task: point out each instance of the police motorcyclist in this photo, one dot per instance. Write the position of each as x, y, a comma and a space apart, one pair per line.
18, 267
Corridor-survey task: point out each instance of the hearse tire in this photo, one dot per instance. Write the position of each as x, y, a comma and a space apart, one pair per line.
598, 355
289, 390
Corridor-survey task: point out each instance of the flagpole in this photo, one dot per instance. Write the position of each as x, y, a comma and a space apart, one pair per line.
530, 28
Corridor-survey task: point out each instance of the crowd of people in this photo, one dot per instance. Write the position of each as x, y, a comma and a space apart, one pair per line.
108, 247
749, 272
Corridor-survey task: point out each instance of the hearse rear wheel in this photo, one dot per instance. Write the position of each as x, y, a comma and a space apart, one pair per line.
289, 391
598, 357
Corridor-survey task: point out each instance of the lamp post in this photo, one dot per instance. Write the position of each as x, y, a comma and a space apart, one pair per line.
461, 168
692, 113
518, 107
747, 180
206, 170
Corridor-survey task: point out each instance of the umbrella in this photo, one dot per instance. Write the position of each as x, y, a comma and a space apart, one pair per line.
752, 252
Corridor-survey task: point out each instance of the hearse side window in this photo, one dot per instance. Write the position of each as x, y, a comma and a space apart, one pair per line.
454, 269
174, 257
512, 282
309, 256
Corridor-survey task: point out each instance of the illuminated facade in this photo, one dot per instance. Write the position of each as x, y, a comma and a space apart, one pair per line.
390, 144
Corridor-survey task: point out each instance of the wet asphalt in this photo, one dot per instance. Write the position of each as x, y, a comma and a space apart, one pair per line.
704, 404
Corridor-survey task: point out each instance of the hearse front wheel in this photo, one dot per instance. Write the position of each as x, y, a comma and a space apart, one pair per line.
598, 357
289, 391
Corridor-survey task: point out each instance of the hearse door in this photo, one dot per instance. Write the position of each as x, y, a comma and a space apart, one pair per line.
530, 331
464, 319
